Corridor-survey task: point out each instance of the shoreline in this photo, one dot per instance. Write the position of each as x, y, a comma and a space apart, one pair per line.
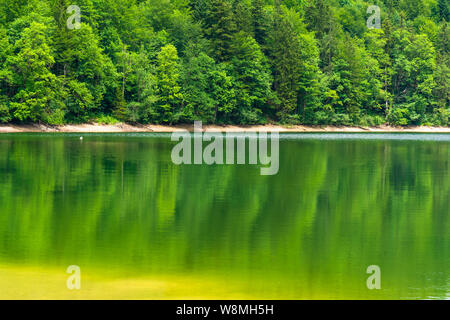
128, 128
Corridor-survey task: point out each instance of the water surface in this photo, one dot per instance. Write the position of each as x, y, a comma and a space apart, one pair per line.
141, 227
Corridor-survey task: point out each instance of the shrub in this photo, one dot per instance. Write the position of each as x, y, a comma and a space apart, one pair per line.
106, 119
398, 116
5, 116
372, 121
54, 118
341, 119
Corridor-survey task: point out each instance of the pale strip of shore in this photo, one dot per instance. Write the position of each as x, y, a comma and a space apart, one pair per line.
124, 128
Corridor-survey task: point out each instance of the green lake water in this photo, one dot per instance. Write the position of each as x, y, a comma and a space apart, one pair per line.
116, 205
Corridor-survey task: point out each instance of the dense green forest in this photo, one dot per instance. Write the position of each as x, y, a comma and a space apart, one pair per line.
225, 61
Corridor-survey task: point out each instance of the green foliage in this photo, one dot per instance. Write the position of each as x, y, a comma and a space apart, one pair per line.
207, 89
252, 79
106, 119
260, 21
284, 54
220, 28
31, 80
169, 92
4, 110
225, 61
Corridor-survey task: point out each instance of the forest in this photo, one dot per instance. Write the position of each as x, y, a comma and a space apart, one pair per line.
241, 62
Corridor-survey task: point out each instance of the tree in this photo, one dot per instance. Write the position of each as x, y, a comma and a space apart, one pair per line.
242, 16
413, 82
444, 10
221, 28
140, 89
441, 91
260, 21
207, 89
11, 10
33, 83
284, 52
252, 79
376, 44
249, 61
5, 76
169, 91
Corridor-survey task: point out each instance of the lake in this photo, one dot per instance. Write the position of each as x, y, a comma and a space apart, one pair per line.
141, 227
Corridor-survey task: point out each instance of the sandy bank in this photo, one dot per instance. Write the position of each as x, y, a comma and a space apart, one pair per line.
122, 127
